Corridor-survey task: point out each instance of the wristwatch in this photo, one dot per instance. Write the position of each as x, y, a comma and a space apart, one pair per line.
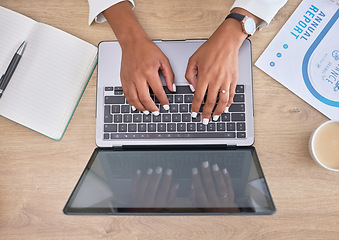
247, 24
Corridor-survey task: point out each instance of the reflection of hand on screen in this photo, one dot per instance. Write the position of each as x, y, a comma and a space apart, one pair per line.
153, 188
212, 187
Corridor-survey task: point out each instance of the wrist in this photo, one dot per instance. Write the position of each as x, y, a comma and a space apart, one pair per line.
232, 31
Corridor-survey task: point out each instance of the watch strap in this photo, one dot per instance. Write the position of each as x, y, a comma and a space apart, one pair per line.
236, 16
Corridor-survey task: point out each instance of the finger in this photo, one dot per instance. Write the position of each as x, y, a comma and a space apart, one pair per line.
191, 72
199, 189
228, 181
199, 95
135, 185
209, 183
143, 185
152, 187
222, 102
132, 98
209, 103
145, 97
219, 181
159, 92
231, 93
164, 188
168, 74
173, 193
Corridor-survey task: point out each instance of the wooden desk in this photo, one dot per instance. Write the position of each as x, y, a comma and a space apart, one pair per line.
37, 174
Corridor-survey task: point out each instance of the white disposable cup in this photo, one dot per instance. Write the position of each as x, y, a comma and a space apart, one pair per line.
312, 148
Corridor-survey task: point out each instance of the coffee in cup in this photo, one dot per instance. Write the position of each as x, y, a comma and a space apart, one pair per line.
324, 145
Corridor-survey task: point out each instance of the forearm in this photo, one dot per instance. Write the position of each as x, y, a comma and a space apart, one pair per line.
124, 24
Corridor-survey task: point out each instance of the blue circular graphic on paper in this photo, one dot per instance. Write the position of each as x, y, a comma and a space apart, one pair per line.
272, 64
285, 46
279, 55
335, 55
306, 61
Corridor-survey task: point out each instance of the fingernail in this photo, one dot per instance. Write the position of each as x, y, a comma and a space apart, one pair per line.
169, 172
146, 112
205, 121
226, 110
215, 118
174, 88
194, 114
215, 167
158, 170
166, 107
149, 171
205, 164
133, 108
156, 113
192, 88
194, 171
225, 171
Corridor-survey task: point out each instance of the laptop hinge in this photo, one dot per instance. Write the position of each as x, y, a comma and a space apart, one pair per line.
117, 148
231, 147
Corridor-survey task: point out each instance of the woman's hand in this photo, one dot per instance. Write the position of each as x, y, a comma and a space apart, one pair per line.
213, 68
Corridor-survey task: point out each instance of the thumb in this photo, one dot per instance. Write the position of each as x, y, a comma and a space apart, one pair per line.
167, 71
191, 72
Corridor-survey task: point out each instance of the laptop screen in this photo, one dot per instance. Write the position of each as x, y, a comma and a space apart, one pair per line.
176, 180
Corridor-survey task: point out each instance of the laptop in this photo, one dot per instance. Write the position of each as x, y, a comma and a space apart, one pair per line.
118, 125
171, 164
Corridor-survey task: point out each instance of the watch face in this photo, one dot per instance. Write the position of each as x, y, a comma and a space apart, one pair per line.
249, 26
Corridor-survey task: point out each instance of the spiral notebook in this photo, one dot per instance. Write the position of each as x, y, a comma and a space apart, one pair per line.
50, 78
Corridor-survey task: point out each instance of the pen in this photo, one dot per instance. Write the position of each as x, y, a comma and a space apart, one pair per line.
11, 68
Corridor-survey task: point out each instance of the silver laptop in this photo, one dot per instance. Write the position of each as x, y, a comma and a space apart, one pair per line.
117, 125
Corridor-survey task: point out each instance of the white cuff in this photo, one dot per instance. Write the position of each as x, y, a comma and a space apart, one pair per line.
96, 7
263, 9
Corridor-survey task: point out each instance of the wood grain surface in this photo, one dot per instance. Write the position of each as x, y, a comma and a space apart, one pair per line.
37, 174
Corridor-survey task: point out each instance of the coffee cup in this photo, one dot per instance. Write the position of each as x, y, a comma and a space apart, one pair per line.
324, 145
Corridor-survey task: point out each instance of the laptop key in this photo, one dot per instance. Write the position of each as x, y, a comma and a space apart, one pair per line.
241, 126
166, 117
181, 127
122, 127
241, 134
132, 127
161, 127
114, 100
142, 127
178, 98
201, 127
151, 127
137, 117
174, 108
147, 118
231, 126
221, 127
171, 127
191, 127
183, 108
156, 118
211, 127
237, 107
127, 118
186, 117
237, 117
188, 98
117, 118
239, 98
125, 108
110, 128
176, 117
225, 117
240, 89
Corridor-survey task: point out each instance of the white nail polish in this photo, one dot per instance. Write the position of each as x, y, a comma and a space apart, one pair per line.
158, 170
174, 88
194, 114
194, 171
215, 167
169, 172
166, 107
192, 88
215, 118
205, 164
146, 112
156, 113
149, 171
225, 171
226, 110
205, 121
133, 108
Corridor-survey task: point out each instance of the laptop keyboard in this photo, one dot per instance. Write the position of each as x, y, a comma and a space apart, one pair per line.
121, 122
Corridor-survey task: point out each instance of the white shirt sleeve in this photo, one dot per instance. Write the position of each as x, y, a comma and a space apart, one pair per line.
96, 7
263, 9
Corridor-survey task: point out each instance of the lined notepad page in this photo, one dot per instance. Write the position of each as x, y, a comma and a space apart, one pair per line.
50, 77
